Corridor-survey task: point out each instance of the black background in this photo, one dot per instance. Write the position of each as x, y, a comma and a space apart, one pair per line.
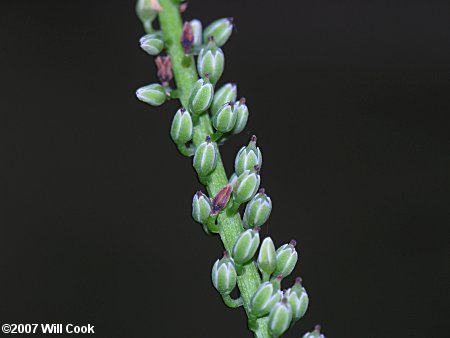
349, 100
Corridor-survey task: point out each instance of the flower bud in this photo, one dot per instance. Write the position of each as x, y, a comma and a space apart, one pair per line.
315, 334
286, 259
246, 246
257, 211
226, 93
220, 29
145, 13
246, 185
224, 275
152, 43
211, 61
297, 299
201, 96
280, 318
205, 158
181, 130
242, 116
265, 297
225, 119
267, 260
197, 31
248, 157
153, 94
201, 208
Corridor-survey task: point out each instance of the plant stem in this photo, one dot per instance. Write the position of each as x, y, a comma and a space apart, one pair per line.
185, 77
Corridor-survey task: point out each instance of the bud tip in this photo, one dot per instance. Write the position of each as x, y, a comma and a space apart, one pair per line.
298, 280
317, 328
293, 243
253, 139
262, 191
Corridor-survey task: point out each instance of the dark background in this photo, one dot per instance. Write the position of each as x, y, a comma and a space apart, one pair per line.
349, 100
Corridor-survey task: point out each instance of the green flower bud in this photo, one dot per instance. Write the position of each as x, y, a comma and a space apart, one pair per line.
145, 13
286, 259
225, 119
226, 93
211, 61
201, 96
246, 185
153, 94
197, 32
201, 208
220, 29
297, 299
265, 297
224, 275
246, 246
280, 318
267, 260
242, 116
248, 157
205, 158
315, 334
152, 43
257, 211
181, 130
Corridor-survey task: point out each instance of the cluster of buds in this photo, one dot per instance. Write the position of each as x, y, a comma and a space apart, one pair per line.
229, 116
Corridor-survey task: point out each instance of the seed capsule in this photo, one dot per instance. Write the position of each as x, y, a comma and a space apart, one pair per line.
224, 275
246, 185
201, 96
153, 94
297, 299
211, 61
267, 260
152, 43
201, 208
280, 318
246, 246
257, 211
220, 29
225, 119
205, 158
181, 130
286, 259
248, 157
265, 297
226, 93
314, 334
197, 32
242, 116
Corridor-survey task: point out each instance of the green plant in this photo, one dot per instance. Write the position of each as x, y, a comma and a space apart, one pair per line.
209, 116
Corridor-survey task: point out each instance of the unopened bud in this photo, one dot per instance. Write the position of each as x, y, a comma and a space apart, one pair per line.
297, 299
242, 116
181, 130
246, 246
224, 275
225, 119
205, 158
197, 31
248, 157
145, 13
220, 29
152, 43
226, 93
153, 94
314, 334
246, 185
265, 297
286, 259
267, 260
280, 318
211, 61
257, 211
201, 96
201, 208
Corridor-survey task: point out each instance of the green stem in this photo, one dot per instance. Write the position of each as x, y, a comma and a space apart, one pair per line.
185, 77
232, 303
